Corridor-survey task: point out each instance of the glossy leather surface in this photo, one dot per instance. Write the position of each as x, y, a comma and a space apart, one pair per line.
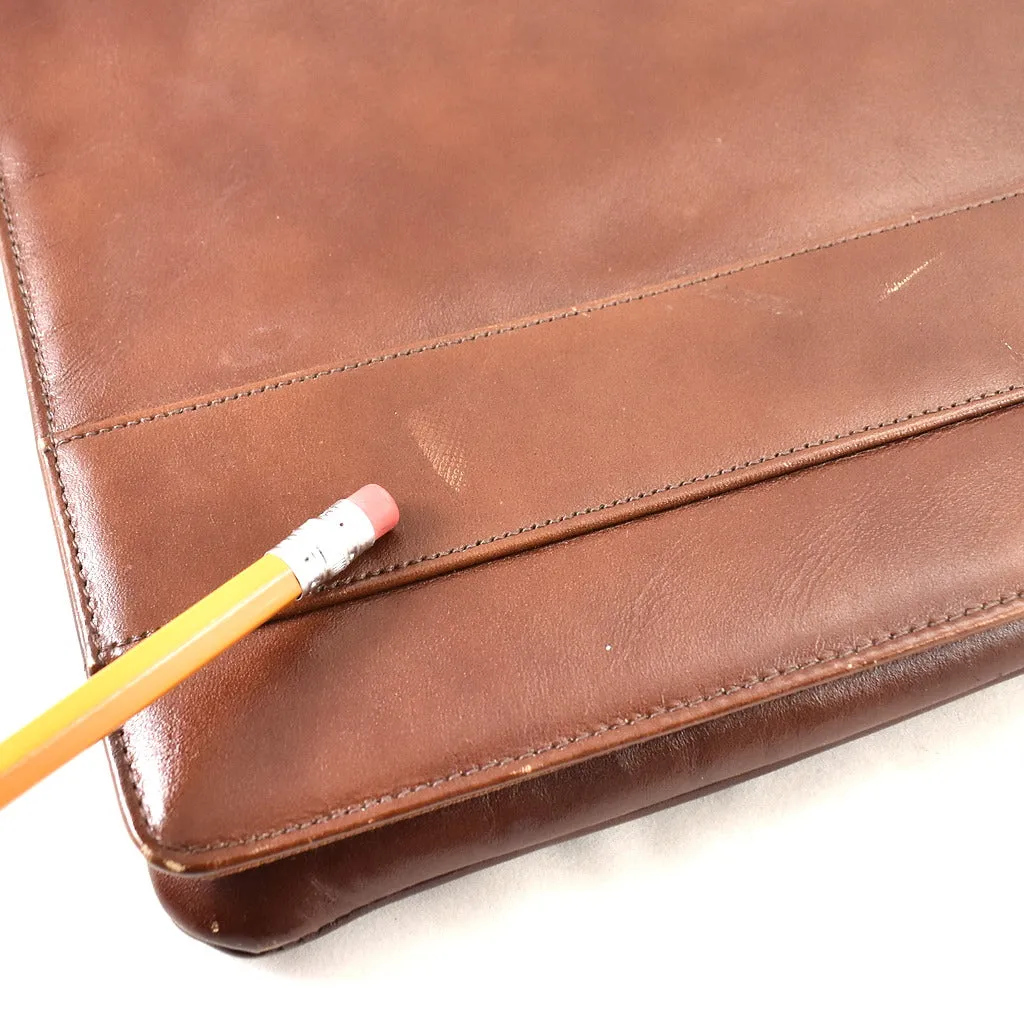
692, 351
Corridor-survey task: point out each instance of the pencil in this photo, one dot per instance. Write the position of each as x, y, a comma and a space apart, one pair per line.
319, 549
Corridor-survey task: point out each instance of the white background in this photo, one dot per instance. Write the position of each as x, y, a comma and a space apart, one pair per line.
878, 880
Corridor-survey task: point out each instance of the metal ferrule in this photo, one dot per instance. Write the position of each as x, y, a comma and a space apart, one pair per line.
323, 547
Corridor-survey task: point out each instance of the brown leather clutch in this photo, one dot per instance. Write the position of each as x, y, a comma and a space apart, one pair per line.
688, 335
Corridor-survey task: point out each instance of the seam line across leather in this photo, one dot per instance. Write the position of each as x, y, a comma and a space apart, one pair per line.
106, 652
87, 430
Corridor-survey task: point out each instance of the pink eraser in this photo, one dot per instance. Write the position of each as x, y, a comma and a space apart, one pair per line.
379, 506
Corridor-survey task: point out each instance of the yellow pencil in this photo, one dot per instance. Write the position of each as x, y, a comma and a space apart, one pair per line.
317, 550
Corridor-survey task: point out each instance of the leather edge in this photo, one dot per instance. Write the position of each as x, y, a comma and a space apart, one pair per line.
41, 406
229, 855
220, 910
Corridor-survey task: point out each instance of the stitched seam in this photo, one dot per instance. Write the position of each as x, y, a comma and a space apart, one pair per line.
92, 626
119, 740
606, 727
664, 489
492, 332
626, 500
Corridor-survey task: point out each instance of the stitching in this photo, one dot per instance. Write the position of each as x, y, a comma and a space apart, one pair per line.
626, 500
664, 489
92, 626
126, 642
605, 727
119, 740
492, 332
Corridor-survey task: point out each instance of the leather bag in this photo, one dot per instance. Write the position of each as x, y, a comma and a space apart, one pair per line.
687, 335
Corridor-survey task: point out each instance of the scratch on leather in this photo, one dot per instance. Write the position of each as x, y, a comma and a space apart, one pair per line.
904, 281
